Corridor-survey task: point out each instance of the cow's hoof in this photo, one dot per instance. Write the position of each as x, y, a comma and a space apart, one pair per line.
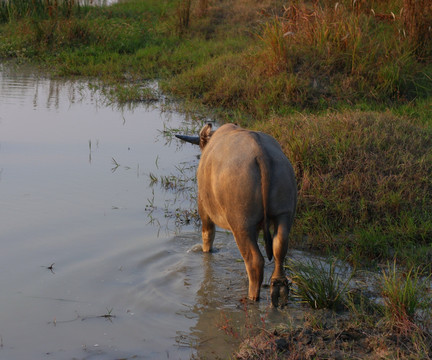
253, 298
279, 292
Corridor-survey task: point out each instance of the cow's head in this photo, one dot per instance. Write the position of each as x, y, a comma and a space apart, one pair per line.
201, 140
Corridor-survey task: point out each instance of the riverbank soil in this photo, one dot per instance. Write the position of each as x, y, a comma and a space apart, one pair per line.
324, 335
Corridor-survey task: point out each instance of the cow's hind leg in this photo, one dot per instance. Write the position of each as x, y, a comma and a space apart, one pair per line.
208, 235
254, 261
208, 231
279, 288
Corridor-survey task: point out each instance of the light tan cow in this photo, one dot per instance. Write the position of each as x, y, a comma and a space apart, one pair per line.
245, 184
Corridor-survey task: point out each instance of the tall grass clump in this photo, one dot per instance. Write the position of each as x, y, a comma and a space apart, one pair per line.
405, 294
13, 10
273, 36
319, 284
183, 15
417, 20
346, 54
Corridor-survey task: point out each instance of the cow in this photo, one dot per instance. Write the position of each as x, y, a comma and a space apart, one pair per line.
246, 184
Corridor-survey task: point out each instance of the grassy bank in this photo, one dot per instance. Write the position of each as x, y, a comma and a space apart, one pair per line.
344, 86
364, 181
343, 319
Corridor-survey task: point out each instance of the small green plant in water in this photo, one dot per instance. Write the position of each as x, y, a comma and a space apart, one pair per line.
319, 284
404, 294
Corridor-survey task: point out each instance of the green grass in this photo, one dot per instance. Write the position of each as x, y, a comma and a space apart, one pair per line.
405, 294
319, 283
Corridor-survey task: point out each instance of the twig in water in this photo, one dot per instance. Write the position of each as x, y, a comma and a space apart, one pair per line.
107, 316
50, 268
116, 165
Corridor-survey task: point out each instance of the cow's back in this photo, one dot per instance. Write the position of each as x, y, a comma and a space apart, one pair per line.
229, 177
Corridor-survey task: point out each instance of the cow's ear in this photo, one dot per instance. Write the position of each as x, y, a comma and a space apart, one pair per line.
205, 134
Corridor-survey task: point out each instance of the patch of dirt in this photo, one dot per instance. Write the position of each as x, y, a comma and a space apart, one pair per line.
335, 337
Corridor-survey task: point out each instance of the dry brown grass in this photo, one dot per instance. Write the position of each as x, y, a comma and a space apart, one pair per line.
183, 15
202, 8
417, 20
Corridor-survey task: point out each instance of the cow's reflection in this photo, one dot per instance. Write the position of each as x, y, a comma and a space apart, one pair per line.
224, 316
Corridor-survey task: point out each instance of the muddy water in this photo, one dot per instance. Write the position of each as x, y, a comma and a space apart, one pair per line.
93, 264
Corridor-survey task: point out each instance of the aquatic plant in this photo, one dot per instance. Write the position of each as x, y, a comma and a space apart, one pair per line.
318, 283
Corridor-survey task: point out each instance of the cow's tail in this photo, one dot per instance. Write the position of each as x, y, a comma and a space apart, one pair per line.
265, 189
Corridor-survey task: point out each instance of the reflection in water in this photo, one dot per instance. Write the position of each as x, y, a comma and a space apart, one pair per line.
16, 86
220, 283
217, 307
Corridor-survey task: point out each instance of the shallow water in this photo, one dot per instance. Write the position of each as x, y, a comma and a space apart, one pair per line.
93, 264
